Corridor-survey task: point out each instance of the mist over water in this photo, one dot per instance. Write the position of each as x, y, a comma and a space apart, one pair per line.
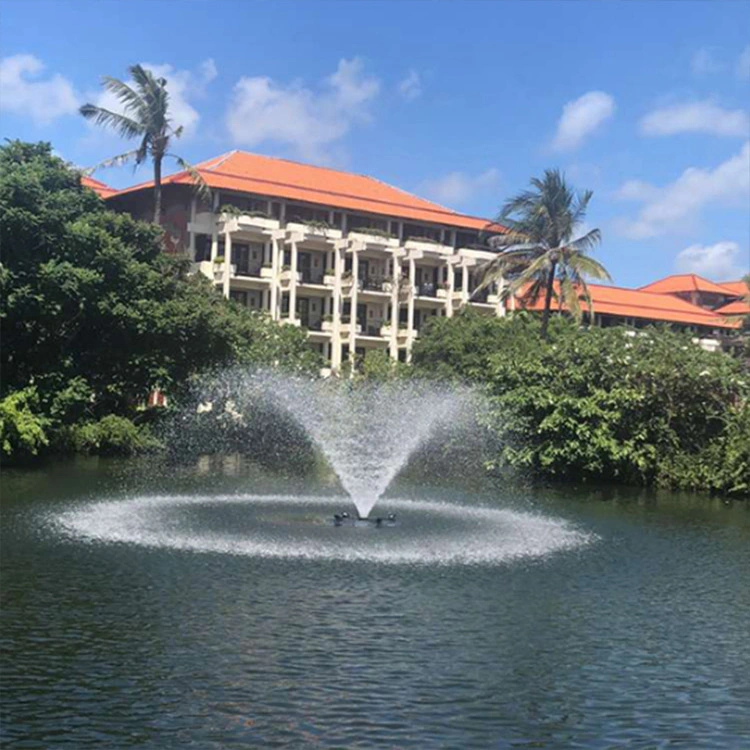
367, 431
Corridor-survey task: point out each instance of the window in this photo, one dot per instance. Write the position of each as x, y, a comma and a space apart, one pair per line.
356, 222
240, 297
247, 203
202, 247
421, 231
302, 214
467, 239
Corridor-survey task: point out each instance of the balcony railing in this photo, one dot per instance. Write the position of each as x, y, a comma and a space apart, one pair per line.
248, 270
312, 277
372, 283
312, 324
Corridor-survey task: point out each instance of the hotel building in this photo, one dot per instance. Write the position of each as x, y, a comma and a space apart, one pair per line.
359, 264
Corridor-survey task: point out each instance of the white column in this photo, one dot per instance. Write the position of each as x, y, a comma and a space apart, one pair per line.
353, 316
227, 261
191, 240
410, 309
338, 269
500, 303
293, 284
451, 289
464, 284
394, 306
274, 291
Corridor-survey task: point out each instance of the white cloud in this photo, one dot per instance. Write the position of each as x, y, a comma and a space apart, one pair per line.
582, 117
182, 86
696, 117
457, 188
637, 190
410, 87
673, 207
720, 261
743, 64
23, 92
704, 63
262, 110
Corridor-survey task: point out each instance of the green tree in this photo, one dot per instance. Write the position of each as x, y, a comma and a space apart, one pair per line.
145, 116
538, 247
93, 315
600, 404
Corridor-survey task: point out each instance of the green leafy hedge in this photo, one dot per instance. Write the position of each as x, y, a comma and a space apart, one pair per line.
648, 408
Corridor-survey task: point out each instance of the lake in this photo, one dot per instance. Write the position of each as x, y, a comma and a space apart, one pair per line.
144, 606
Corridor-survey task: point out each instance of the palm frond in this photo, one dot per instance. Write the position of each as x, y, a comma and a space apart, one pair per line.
199, 183
131, 100
124, 125
587, 243
586, 266
118, 161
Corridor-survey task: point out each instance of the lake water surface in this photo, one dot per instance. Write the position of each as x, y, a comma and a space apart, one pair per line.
635, 634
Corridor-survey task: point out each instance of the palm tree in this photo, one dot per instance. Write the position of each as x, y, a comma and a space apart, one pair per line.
145, 116
538, 247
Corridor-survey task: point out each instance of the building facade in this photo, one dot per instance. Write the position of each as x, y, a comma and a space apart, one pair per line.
361, 268
361, 265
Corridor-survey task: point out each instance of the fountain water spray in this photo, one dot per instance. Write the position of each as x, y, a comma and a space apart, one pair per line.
367, 431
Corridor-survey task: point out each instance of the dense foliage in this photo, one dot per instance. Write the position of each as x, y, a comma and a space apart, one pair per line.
601, 404
93, 315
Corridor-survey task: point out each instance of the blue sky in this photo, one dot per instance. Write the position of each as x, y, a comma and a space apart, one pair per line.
462, 102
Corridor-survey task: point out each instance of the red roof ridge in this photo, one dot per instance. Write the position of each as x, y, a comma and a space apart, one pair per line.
693, 283
436, 210
213, 167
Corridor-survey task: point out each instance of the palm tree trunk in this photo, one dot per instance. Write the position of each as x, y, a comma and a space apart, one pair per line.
157, 190
548, 299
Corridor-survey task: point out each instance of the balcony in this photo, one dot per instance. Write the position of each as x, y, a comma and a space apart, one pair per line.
247, 270
313, 232
254, 223
387, 329
312, 324
346, 326
286, 275
374, 240
427, 289
372, 330
312, 277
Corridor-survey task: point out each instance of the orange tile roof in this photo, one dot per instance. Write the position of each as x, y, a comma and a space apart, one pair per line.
738, 288
738, 307
685, 282
280, 178
635, 303
102, 190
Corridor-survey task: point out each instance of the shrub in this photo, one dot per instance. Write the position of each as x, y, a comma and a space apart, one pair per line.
600, 404
111, 436
22, 430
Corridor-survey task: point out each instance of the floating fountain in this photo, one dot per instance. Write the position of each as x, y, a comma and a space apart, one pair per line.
367, 433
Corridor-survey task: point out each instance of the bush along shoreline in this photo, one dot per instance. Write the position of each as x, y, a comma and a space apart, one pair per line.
600, 405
